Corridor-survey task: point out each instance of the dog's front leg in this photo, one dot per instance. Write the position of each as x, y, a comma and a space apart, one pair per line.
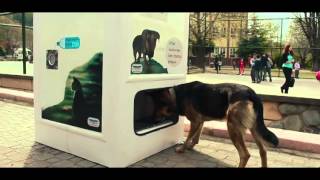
189, 143
196, 137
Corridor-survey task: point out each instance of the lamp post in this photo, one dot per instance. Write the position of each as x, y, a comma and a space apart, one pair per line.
228, 39
24, 43
281, 35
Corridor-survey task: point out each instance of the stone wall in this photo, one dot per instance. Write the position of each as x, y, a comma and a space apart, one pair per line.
292, 116
16, 82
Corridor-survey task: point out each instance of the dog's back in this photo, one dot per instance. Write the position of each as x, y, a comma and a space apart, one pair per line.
211, 100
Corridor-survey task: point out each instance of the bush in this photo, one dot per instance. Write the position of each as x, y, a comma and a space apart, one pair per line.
308, 61
2, 53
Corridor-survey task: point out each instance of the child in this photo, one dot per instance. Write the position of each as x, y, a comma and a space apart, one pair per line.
241, 66
318, 76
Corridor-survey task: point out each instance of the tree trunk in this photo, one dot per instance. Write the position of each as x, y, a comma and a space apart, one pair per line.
202, 58
315, 59
303, 62
204, 65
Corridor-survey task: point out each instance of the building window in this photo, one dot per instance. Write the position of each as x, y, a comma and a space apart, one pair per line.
233, 32
223, 31
216, 51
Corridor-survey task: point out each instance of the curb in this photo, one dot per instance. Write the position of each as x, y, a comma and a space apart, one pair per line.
287, 139
17, 96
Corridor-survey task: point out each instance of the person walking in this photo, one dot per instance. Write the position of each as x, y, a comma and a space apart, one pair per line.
318, 76
252, 73
296, 69
241, 67
216, 64
258, 69
287, 66
234, 63
269, 64
264, 60
219, 64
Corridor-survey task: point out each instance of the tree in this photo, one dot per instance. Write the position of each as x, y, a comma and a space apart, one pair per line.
310, 25
255, 42
11, 37
2, 53
298, 40
200, 29
271, 32
28, 18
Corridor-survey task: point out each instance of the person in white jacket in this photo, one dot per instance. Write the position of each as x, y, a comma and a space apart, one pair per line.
296, 69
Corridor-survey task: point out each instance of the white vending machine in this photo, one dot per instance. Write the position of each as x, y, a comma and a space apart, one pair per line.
95, 78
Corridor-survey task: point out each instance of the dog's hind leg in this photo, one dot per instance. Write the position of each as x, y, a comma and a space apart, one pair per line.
262, 149
139, 56
238, 141
237, 117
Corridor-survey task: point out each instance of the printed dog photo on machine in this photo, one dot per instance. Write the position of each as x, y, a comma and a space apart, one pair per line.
144, 46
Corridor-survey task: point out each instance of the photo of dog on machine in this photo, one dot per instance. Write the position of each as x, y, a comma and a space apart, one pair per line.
144, 46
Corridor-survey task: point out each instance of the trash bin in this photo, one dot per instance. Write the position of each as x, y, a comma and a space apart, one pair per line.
95, 75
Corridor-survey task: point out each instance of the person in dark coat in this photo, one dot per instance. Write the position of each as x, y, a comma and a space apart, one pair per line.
258, 69
287, 66
264, 61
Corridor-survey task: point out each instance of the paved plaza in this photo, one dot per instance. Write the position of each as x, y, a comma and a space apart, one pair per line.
305, 88
19, 149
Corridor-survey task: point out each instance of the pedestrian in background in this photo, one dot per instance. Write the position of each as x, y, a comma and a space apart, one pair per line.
258, 69
318, 76
287, 66
264, 60
241, 67
269, 64
252, 73
296, 69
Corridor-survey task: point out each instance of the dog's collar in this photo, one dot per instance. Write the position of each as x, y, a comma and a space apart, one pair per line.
172, 93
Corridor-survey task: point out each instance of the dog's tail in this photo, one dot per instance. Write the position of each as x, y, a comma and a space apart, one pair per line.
265, 133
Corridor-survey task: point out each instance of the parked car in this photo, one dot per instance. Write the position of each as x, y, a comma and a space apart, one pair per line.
19, 55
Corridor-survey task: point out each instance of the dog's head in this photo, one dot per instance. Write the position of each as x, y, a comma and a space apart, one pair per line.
165, 104
150, 37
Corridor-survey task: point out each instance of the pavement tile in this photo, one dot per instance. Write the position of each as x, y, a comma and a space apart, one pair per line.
19, 149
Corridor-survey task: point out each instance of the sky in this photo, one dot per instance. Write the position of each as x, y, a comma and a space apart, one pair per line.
286, 22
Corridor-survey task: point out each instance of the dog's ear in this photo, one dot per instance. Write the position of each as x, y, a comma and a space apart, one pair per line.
157, 35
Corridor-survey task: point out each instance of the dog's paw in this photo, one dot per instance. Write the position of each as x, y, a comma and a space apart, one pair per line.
180, 149
190, 147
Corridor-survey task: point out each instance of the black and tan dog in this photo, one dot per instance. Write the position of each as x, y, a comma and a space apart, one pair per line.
145, 44
236, 103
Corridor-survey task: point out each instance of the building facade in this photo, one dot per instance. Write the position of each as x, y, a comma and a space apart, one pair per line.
224, 29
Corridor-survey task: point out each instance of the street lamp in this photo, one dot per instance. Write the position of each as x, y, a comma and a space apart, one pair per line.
23, 42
